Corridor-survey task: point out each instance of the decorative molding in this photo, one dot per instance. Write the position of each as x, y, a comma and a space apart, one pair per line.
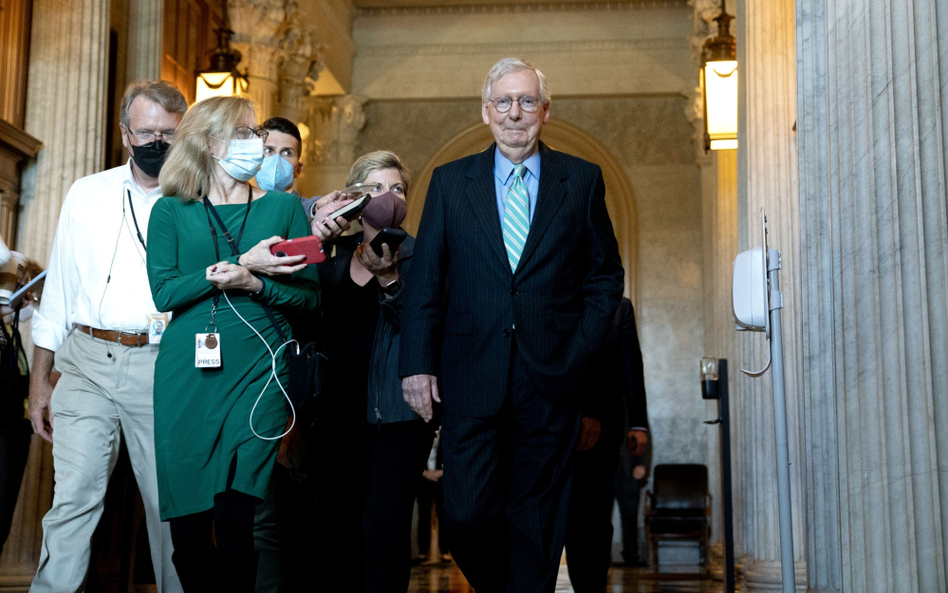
705, 11
272, 34
334, 124
616, 5
259, 21
447, 49
17, 140
301, 63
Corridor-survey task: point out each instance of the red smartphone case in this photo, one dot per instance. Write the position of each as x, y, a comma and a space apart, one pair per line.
310, 246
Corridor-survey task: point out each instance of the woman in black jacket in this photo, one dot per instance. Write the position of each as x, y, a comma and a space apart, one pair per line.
362, 300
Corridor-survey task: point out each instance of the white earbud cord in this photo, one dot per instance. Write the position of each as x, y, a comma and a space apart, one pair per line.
273, 375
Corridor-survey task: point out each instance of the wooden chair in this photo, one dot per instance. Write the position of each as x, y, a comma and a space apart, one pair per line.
679, 509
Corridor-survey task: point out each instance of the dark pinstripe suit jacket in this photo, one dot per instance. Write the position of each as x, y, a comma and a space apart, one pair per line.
462, 299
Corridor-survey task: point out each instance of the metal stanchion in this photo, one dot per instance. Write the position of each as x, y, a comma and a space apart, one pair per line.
714, 386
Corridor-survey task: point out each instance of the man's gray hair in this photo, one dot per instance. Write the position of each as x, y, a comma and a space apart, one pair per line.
163, 93
505, 67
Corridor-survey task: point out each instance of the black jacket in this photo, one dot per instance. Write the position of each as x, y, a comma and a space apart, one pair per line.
464, 307
385, 402
617, 375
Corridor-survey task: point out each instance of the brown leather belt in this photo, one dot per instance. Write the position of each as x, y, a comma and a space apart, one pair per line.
123, 338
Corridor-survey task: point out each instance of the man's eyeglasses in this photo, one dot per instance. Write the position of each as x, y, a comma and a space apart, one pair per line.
527, 103
146, 137
246, 133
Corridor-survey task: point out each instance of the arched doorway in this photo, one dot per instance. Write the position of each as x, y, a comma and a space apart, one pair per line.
564, 137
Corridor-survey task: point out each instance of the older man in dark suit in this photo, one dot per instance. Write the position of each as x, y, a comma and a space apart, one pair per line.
517, 275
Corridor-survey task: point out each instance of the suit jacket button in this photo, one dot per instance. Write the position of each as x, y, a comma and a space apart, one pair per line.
506, 333
513, 292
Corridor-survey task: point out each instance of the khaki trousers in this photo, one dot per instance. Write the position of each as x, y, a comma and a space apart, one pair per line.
98, 400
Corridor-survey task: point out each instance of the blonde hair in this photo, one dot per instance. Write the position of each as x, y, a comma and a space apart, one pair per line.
374, 161
187, 170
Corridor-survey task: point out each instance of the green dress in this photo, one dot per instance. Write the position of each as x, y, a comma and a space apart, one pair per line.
203, 439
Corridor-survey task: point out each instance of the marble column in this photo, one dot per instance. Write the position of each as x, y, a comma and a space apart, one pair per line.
281, 53
146, 20
873, 122
299, 68
330, 148
258, 26
767, 177
66, 102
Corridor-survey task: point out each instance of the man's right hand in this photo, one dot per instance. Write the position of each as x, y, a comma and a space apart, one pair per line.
418, 391
636, 441
41, 393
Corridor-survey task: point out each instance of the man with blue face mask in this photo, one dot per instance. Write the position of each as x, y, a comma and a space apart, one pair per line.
279, 174
284, 141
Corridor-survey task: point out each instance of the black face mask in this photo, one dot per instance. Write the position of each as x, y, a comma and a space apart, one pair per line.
150, 157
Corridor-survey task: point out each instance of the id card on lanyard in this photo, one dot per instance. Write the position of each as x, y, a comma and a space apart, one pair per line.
207, 345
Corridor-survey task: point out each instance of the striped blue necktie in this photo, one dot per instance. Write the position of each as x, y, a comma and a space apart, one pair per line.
516, 217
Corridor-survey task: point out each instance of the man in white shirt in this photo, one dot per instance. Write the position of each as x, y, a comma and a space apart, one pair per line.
95, 316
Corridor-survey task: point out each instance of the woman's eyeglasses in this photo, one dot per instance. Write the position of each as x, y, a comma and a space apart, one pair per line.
246, 133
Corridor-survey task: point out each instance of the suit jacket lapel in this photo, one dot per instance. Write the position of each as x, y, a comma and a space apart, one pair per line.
483, 196
550, 196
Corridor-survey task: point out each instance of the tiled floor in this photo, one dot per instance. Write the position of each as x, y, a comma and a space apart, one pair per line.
446, 578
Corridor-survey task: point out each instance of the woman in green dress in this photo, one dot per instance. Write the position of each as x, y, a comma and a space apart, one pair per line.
217, 424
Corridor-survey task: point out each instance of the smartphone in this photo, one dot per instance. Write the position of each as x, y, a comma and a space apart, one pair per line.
311, 247
351, 211
360, 188
392, 237
35, 286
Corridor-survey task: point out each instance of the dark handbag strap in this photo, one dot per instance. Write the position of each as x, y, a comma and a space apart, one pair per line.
276, 326
11, 339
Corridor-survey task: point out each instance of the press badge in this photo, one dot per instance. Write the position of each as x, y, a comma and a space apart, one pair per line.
157, 322
207, 351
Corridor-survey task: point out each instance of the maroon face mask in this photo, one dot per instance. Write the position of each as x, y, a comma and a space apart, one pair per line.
386, 210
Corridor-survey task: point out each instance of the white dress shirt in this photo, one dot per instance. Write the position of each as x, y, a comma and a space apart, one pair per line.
97, 275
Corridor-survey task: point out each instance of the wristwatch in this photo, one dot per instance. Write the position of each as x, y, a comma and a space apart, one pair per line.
392, 288
257, 295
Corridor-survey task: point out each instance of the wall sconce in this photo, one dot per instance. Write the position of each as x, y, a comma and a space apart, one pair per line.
718, 76
222, 79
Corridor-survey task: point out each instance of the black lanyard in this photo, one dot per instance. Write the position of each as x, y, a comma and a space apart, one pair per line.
138, 231
234, 245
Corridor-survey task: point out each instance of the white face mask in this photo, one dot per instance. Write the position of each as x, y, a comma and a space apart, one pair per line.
244, 158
